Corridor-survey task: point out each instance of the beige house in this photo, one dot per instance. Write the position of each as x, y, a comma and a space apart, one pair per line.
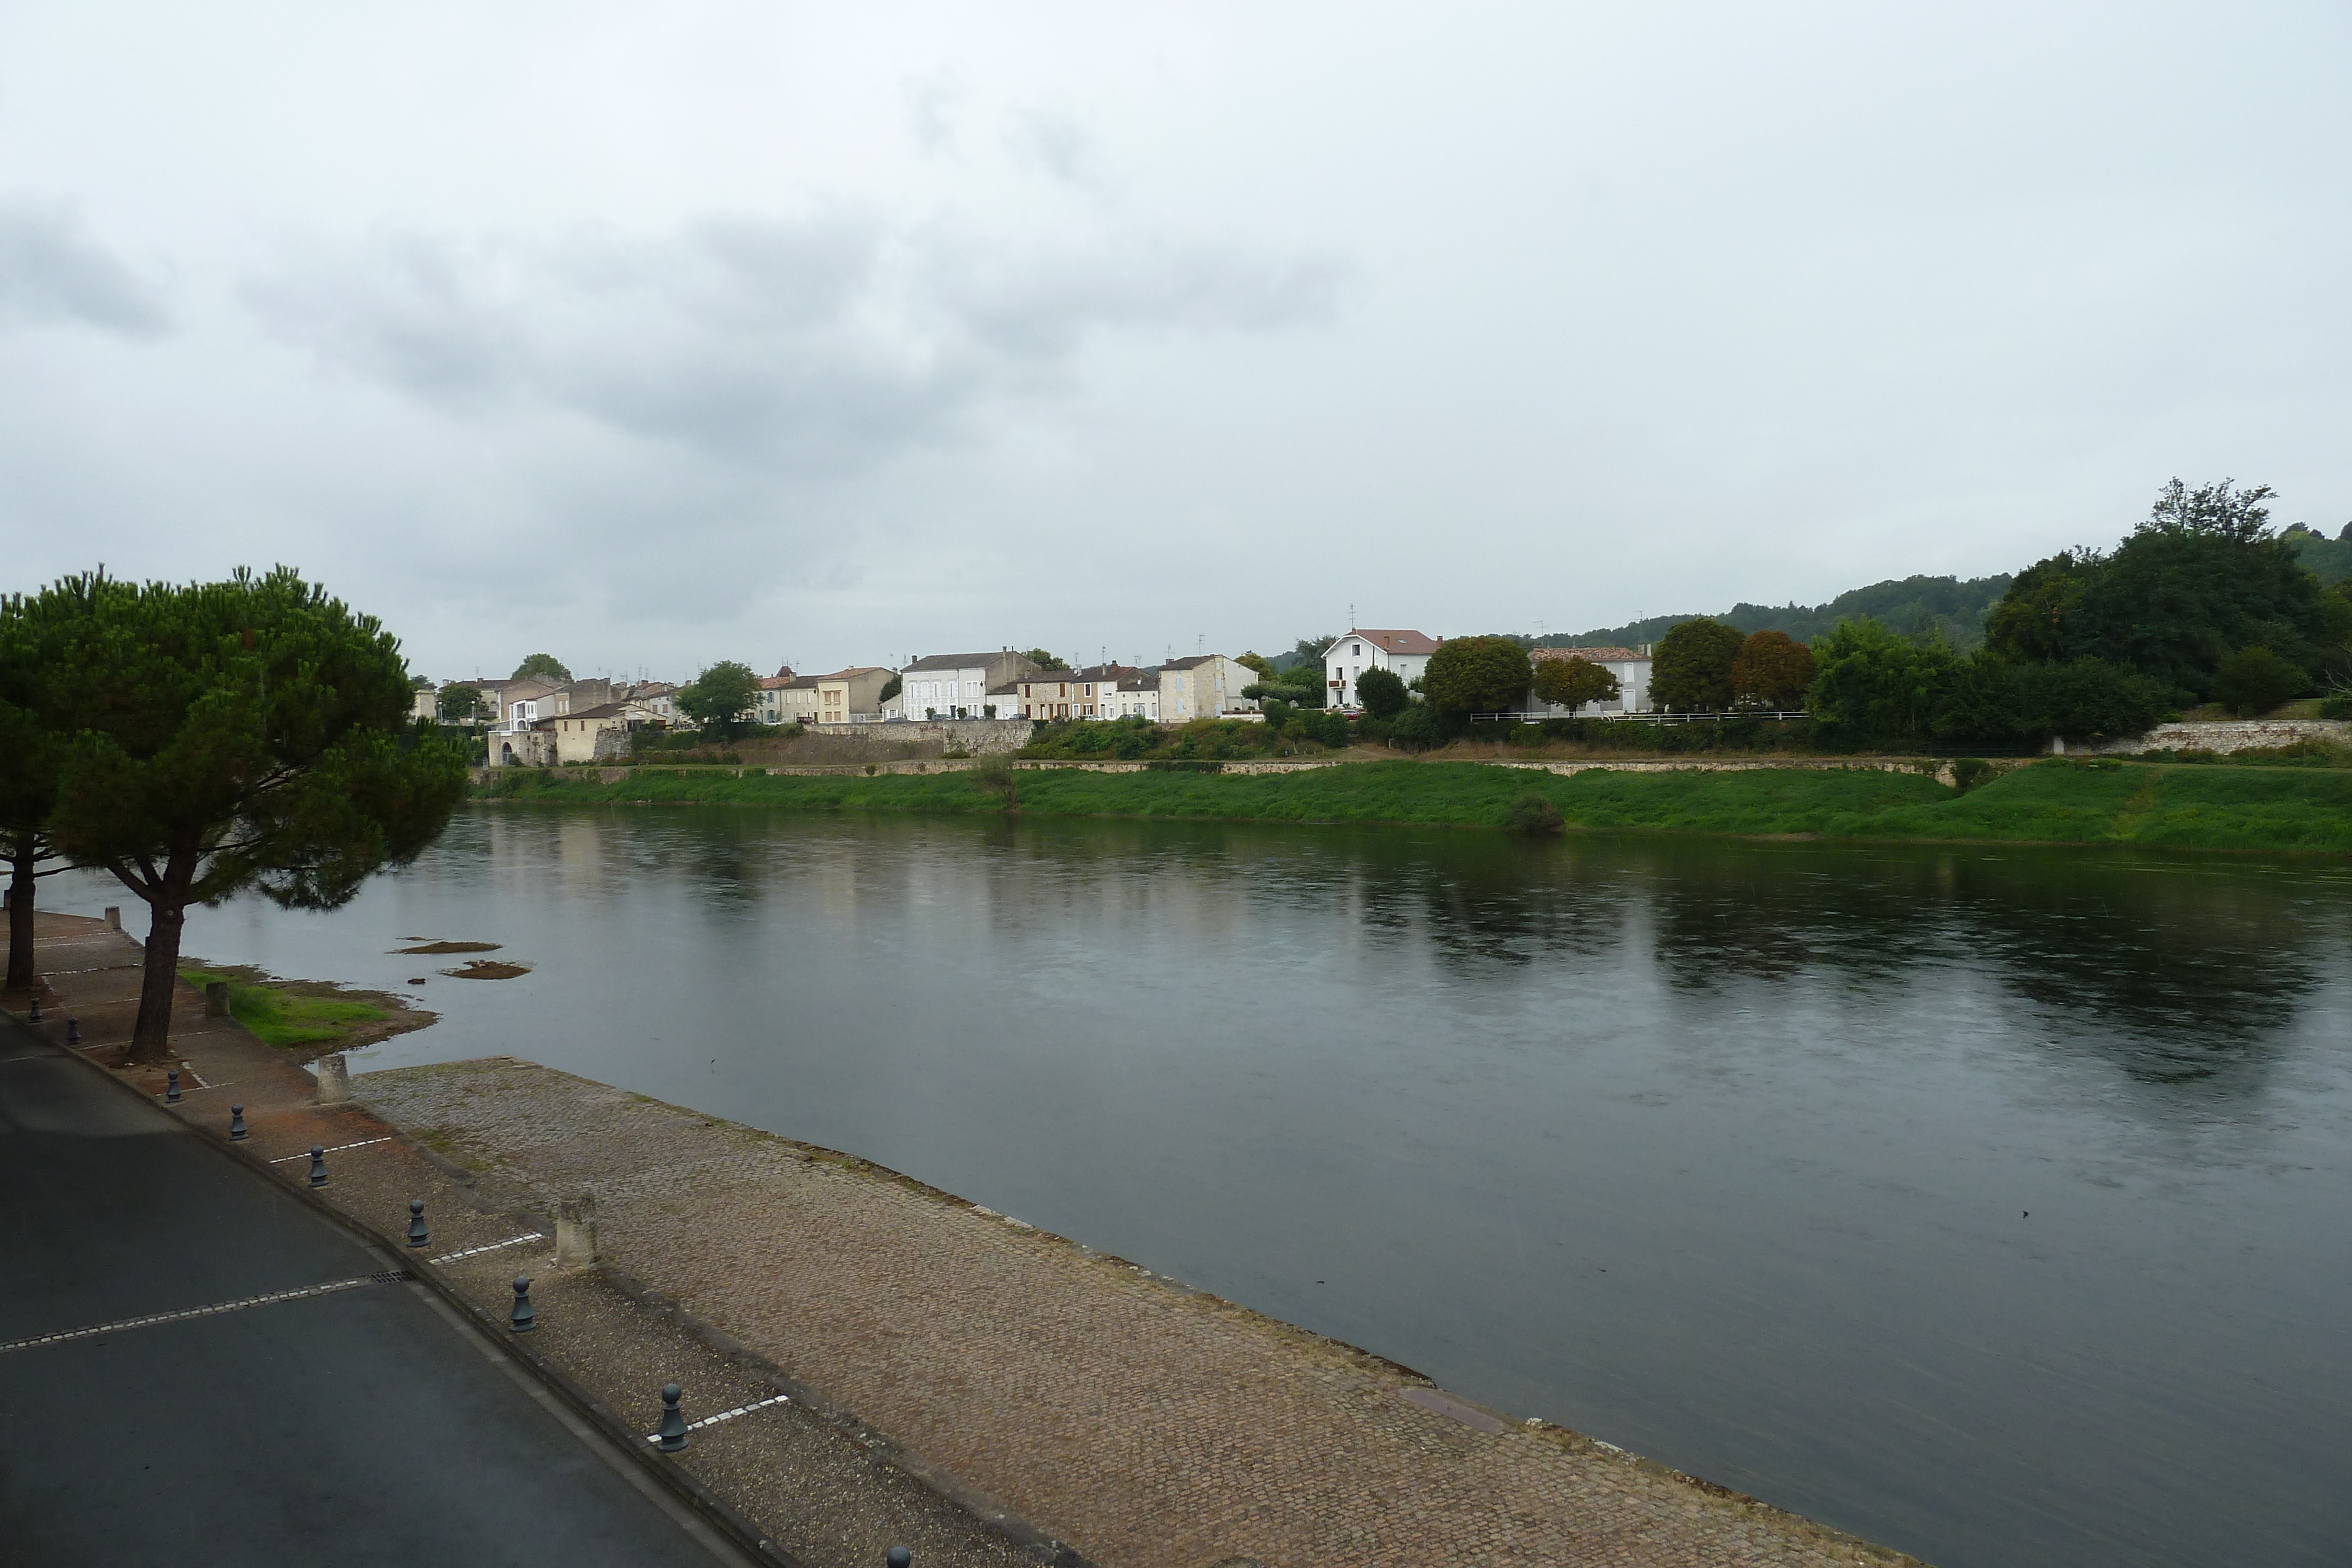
1208, 685
851, 696
786, 698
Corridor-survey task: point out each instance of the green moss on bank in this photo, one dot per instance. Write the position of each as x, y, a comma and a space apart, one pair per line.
2063, 802
286, 1019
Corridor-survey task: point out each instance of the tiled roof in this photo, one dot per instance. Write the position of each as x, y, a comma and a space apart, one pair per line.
1592, 655
952, 661
1398, 642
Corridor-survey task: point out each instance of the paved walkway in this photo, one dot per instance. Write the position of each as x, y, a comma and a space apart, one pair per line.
356, 1424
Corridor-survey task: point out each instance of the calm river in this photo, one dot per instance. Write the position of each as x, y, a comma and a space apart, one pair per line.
1989, 1203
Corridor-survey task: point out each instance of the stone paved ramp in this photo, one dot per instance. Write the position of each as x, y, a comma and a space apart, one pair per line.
1149, 1425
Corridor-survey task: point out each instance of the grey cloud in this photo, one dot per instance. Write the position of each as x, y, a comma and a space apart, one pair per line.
410, 311
1056, 142
1041, 311
931, 105
811, 345
51, 270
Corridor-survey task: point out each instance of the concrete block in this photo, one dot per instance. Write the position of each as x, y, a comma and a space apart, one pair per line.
575, 1232
334, 1079
114, 917
216, 998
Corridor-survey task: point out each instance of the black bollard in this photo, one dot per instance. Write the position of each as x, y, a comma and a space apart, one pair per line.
318, 1166
522, 1320
171, 1087
35, 1015
900, 1557
671, 1439
237, 1123
73, 1031
418, 1234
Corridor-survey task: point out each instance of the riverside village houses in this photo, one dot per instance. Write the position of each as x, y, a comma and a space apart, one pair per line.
963, 686
1404, 653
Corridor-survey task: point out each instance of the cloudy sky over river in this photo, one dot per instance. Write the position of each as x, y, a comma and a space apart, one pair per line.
661, 334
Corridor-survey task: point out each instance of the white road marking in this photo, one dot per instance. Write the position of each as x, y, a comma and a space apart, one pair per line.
726, 1415
510, 1241
332, 1149
387, 1278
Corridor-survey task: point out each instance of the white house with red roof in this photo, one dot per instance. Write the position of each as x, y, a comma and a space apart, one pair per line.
1404, 653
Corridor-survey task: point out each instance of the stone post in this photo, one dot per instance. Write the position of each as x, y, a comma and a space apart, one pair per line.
114, 917
334, 1079
575, 1232
216, 998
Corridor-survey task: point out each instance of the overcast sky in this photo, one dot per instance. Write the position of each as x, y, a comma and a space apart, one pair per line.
656, 334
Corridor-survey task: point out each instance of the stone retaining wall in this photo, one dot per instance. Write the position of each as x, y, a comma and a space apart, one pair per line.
981, 737
2225, 735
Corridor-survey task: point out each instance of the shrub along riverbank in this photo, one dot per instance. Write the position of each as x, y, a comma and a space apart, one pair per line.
2060, 801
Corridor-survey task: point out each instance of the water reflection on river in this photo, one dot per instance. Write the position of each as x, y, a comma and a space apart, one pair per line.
1990, 1203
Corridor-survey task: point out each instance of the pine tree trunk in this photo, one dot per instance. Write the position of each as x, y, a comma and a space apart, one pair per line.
21, 973
151, 1037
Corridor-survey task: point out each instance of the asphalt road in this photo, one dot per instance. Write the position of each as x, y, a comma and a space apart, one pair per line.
364, 1425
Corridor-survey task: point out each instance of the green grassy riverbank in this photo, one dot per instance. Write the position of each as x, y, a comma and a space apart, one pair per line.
2059, 801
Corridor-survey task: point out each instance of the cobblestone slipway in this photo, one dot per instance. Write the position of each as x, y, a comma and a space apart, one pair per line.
1149, 1425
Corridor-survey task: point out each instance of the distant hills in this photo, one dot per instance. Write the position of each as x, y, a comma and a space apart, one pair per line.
2330, 560
1912, 605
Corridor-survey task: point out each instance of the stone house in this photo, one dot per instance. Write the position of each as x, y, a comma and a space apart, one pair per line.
1405, 654
1070, 694
1207, 686
659, 696
598, 733
958, 686
1630, 665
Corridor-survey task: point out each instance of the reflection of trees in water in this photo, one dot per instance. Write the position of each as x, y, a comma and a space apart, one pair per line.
2173, 971
1474, 900
2181, 971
